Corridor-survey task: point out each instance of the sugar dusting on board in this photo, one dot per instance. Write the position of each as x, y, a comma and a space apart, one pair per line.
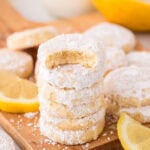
30, 122
30, 115
85, 146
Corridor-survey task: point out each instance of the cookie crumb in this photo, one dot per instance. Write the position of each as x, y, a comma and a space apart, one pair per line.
66, 148
30, 115
29, 124
104, 134
48, 141
111, 132
11, 121
85, 146
108, 138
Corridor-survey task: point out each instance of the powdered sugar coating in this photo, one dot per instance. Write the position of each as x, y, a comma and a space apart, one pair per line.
70, 137
19, 63
31, 37
143, 111
63, 111
74, 124
129, 82
113, 35
115, 58
6, 142
141, 59
71, 76
72, 97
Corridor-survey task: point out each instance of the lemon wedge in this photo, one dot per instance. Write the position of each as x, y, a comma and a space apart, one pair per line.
133, 14
17, 95
133, 135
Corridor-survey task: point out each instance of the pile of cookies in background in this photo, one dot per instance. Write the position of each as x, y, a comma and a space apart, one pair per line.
81, 78
18, 61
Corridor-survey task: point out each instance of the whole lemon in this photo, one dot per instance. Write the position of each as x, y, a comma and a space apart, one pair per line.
134, 14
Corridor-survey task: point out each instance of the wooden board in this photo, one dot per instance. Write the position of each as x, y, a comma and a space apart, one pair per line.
26, 133
24, 130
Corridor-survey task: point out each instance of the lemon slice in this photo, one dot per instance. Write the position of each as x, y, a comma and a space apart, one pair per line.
133, 14
17, 95
133, 135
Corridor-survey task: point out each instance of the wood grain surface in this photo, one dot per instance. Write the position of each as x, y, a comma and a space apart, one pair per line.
25, 131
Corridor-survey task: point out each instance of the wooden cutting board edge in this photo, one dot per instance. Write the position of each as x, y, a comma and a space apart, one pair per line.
23, 144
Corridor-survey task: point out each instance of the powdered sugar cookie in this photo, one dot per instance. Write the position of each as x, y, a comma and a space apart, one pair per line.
75, 124
63, 111
141, 114
113, 35
36, 70
128, 87
81, 60
141, 59
71, 97
30, 38
70, 76
115, 58
71, 137
6, 142
19, 63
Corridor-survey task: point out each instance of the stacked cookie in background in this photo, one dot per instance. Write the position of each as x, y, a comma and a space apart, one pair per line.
69, 75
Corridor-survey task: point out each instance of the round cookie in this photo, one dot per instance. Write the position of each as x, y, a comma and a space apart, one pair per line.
129, 86
141, 114
60, 110
81, 60
75, 124
71, 97
141, 59
19, 63
113, 35
115, 58
71, 137
30, 38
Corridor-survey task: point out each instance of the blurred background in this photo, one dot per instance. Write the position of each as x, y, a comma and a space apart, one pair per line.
132, 14
46, 10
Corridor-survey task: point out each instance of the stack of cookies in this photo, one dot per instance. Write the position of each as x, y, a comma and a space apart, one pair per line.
69, 75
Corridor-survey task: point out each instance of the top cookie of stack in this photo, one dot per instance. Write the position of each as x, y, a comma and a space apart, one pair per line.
70, 73
71, 49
